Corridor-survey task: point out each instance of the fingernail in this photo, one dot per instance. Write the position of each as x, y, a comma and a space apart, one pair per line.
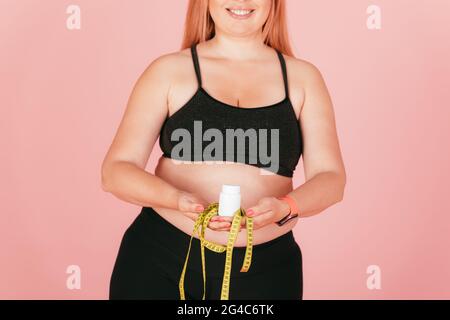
199, 208
250, 212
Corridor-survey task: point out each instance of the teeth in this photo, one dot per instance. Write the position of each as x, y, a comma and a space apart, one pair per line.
241, 12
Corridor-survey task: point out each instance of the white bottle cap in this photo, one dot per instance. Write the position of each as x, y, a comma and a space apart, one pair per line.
230, 189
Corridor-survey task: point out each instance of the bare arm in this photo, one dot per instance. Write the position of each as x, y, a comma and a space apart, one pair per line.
131, 183
324, 169
123, 170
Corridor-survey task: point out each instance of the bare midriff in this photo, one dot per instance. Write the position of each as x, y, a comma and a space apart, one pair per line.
205, 179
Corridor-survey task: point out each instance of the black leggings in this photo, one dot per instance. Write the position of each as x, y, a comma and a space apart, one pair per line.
152, 254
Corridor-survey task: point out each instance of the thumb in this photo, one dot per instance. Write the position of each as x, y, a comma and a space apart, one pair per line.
195, 206
189, 204
254, 211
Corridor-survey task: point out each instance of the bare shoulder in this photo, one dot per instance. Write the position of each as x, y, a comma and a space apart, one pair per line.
304, 72
306, 80
300, 74
167, 66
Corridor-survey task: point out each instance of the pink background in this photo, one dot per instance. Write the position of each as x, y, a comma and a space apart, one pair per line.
63, 94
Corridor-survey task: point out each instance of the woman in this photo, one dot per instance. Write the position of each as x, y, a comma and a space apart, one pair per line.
230, 75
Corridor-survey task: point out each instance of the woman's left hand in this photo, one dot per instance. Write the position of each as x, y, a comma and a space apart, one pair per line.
268, 210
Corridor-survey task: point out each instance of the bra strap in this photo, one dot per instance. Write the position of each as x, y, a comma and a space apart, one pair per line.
196, 63
283, 68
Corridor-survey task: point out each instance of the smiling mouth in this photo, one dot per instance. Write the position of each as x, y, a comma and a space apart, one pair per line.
242, 13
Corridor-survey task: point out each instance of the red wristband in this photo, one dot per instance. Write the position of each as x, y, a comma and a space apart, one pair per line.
291, 202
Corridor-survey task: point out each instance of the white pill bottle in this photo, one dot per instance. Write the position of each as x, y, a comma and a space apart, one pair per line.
229, 200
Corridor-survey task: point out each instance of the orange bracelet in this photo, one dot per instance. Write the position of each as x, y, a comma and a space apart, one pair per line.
291, 202
293, 213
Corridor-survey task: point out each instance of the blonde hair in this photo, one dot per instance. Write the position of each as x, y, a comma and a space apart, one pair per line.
199, 26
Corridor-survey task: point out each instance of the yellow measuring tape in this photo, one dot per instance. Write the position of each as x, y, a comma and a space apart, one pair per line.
202, 223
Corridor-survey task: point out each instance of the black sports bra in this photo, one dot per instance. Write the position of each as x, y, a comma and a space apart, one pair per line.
206, 129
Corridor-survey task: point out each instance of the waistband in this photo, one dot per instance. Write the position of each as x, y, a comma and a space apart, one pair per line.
265, 255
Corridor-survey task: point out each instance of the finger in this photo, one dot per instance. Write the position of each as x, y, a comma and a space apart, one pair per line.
227, 219
222, 219
242, 226
219, 225
256, 211
198, 207
192, 206
263, 219
222, 229
200, 201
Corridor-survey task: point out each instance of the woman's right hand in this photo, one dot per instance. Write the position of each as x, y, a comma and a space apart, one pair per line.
191, 205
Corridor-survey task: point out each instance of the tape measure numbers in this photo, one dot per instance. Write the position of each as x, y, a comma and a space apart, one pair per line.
202, 223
